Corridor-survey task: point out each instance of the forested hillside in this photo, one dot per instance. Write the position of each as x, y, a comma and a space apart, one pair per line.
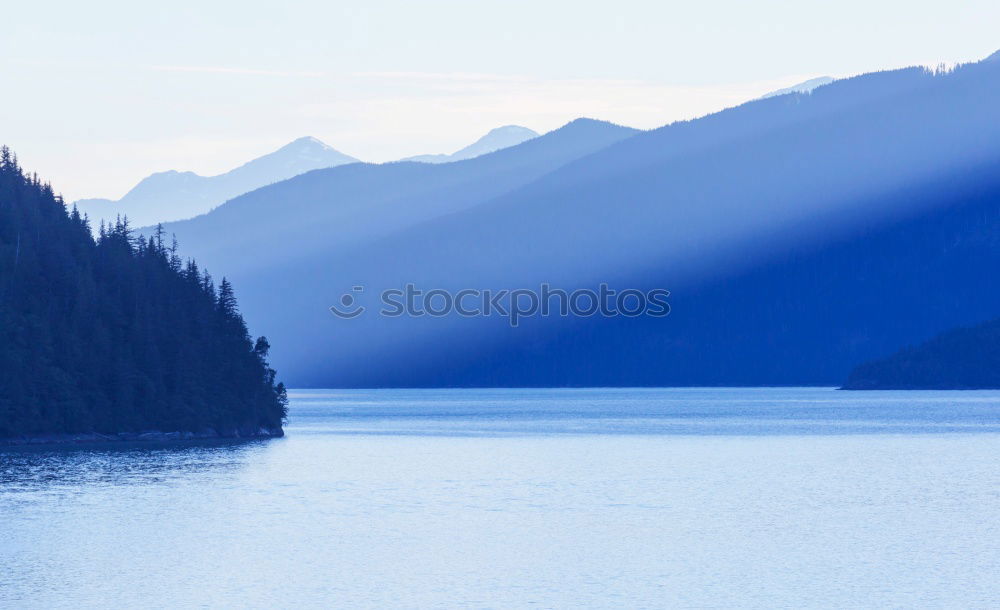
116, 334
960, 359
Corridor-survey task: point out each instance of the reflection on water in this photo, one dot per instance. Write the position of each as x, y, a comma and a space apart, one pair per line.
92, 464
656, 411
517, 498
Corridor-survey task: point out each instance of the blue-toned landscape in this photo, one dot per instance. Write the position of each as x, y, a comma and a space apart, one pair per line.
517, 498
440, 304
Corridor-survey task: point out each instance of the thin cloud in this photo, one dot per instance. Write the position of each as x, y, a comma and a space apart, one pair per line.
227, 70
441, 76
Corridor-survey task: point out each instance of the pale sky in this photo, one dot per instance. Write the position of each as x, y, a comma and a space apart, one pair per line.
99, 94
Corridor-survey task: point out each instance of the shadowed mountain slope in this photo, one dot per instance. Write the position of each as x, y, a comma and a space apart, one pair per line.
960, 359
796, 233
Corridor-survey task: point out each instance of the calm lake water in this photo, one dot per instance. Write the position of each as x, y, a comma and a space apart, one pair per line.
528, 498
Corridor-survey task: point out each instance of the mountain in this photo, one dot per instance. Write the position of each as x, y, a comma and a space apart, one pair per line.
804, 87
173, 195
335, 210
795, 233
496, 139
114, 336
962, 359
338, 207
798, 235
994, 57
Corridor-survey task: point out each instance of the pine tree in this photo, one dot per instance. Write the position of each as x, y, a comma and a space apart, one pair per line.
115, 334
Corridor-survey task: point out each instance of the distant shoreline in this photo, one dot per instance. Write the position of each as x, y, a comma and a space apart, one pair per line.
151, 436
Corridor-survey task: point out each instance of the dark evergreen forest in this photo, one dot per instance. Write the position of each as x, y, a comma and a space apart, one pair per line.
966, 358
117, 334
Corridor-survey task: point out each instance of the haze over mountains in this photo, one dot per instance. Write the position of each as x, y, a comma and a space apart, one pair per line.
800, 235
175, 195
337, 207
803, 87
496, 139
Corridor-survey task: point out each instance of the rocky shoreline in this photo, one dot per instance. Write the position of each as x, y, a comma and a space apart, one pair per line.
148, 436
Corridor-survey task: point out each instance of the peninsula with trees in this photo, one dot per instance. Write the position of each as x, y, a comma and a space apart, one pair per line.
116, 337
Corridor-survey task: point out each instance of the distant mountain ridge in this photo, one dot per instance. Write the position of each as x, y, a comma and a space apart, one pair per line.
797, 234
338, 206
792, 232
496, 139
734, 213
173, 195
803, 87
